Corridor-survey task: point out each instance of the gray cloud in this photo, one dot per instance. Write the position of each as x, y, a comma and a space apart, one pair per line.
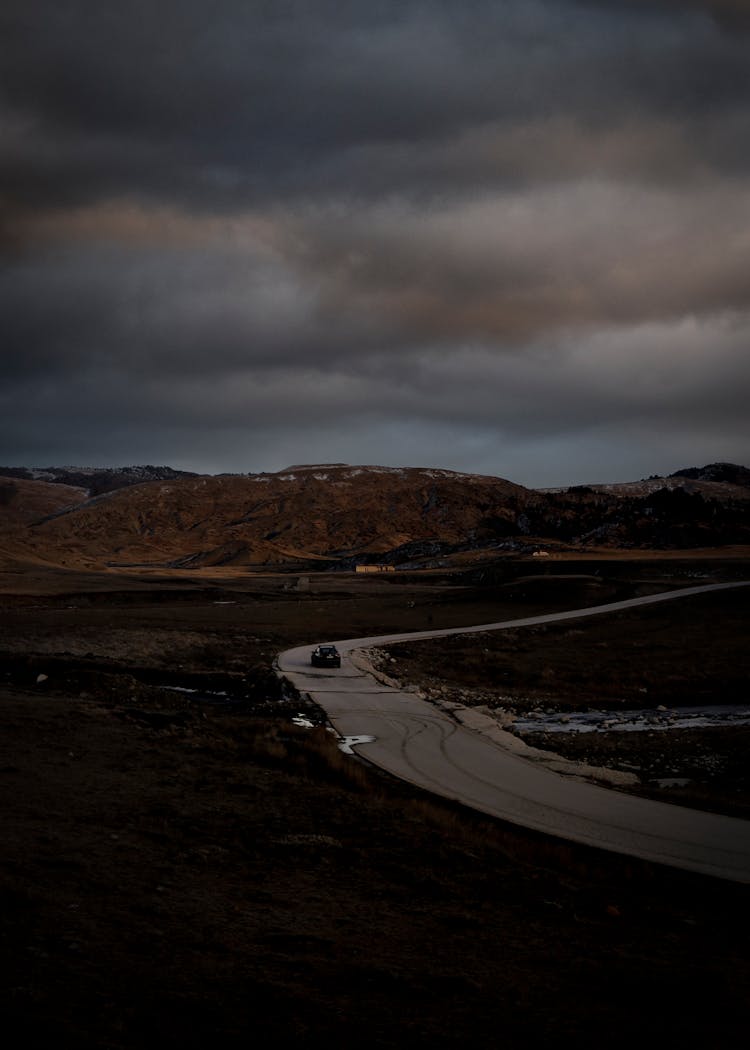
251, 233
729, 15
242, 102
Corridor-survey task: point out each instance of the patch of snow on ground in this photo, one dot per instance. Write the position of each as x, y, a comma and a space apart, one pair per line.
203, 692
375, 470
348, 743
634, 721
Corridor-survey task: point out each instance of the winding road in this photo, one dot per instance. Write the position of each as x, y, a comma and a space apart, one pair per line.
418, 742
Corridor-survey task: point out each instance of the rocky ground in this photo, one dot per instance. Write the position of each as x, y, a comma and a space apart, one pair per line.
194, 868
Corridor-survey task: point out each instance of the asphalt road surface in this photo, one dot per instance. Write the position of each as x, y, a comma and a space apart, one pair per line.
416, 741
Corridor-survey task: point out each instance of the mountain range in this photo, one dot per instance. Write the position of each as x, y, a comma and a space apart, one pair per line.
337, 515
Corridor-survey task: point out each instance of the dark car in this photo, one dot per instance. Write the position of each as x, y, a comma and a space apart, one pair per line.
325, 656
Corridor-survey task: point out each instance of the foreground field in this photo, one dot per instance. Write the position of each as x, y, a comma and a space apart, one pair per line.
202, 870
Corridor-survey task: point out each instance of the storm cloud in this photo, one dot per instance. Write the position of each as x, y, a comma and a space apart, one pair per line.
508, 238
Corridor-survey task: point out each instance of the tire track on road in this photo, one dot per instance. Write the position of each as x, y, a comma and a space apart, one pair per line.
469, 768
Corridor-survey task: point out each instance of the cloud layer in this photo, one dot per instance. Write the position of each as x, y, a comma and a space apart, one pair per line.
510, 238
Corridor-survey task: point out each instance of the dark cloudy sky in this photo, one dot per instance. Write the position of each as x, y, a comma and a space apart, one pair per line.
504, 237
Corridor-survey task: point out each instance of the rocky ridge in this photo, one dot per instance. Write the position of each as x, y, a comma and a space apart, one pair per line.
335, 515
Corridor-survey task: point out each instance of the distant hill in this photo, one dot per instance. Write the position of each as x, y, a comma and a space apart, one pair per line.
726, 473
722, 481
95, 480
336, 515
320, 514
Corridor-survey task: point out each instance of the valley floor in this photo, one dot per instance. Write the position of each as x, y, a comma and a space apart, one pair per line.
194, 868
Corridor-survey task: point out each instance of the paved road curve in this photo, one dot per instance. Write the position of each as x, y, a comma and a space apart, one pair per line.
417, 742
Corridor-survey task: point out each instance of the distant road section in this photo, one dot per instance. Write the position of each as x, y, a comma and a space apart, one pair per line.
419, 743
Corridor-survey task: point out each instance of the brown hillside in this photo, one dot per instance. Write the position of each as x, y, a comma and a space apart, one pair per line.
308, 513
23, 502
